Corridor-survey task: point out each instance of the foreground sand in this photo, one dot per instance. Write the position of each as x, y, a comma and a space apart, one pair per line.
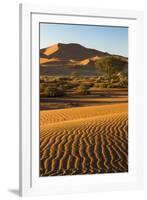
84, 140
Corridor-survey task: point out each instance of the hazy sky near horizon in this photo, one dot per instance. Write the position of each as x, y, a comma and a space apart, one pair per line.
113, 40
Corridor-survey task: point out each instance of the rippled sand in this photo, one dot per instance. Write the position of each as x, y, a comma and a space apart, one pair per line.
84, 140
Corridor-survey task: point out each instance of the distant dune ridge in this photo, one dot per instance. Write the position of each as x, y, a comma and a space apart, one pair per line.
69, 56
84, 140
71, 51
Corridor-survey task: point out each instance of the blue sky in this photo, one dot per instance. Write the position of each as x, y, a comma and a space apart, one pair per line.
113, 40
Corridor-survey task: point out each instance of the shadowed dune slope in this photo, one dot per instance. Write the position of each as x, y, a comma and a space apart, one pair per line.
70, 51
84, 140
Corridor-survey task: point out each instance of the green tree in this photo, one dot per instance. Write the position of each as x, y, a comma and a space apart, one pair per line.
110, 65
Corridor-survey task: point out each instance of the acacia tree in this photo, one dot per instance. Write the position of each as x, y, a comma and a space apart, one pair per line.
110, 65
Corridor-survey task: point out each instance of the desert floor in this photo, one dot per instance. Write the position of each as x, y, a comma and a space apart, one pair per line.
84, 140
98, 97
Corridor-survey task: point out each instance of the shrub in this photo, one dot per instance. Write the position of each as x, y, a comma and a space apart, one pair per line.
100, 79
117, 85
87, 85
114, 80
53, 92
74, 75
67, 85
101, 85
82, 90
42, 87
63, 78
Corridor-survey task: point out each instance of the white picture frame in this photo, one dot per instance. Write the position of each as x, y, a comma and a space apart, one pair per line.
30, 182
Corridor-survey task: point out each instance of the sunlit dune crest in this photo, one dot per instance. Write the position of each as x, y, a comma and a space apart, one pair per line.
46, 60
50, 50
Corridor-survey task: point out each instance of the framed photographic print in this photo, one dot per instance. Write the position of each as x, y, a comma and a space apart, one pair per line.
81, 100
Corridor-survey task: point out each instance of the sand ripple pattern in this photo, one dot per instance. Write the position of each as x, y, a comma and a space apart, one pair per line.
85, 140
